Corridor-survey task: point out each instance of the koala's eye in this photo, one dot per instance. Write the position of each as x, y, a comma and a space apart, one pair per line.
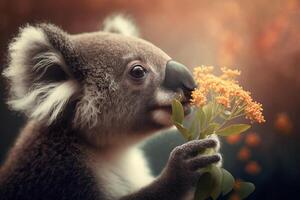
138, 72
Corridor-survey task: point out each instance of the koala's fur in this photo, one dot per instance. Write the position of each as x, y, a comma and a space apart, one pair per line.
86, 117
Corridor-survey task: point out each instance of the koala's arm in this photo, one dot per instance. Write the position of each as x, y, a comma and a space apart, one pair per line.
181, 173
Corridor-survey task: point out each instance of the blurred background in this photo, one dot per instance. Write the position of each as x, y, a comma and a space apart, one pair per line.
259, 37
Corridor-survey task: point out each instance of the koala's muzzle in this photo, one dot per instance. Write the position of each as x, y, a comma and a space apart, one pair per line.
177, 76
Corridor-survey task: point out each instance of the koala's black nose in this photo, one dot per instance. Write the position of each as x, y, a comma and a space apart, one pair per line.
178, 77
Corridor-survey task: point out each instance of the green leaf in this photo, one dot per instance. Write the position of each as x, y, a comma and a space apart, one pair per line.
194, 128
245, 189
200, 115
227, 182
184, 131
177, 112
208, 110
204, 187
210, 129
233, 129
217, 181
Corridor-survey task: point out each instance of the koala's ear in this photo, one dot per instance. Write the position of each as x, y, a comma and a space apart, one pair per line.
41, 82
120, 24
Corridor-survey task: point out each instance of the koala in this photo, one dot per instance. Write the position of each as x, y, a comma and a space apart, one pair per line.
90, 99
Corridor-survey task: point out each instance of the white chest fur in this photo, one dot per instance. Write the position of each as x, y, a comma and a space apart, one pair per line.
123, 173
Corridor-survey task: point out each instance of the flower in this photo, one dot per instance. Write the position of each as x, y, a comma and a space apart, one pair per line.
229, 74
254, 112
202, 70
252, 168
283, 123
198, 98
223, 101
225, 91
244, 154
252, 139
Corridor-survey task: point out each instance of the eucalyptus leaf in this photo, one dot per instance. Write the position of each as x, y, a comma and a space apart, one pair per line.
227, 181
204, 187
217, 179
245, 189
233, 129
184, 131
200, 115
194, 128
208, 110
177, 112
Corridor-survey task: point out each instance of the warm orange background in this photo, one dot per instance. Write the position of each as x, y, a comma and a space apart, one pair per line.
260, 37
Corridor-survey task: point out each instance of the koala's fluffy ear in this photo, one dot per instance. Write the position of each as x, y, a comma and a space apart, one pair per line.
120, 24
41, 82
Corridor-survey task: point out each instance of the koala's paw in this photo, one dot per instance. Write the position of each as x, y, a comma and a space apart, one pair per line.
184, 162
215, 137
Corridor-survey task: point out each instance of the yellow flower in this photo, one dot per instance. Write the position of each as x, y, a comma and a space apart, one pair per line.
225, 91
203, 70
198, 98
229, 74
254, 112
223, 101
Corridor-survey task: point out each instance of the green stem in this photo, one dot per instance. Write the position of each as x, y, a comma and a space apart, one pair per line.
216, 115
236, 116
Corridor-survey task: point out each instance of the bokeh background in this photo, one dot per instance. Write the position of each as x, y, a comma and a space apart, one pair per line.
259, 37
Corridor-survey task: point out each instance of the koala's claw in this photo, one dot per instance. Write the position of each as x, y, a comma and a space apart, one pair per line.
203, 161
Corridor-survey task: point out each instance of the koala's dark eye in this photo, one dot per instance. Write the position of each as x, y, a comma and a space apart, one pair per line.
138, 72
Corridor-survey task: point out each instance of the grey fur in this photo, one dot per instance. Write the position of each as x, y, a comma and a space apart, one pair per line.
100, 109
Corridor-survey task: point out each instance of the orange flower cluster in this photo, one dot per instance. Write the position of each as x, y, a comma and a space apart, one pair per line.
225, 91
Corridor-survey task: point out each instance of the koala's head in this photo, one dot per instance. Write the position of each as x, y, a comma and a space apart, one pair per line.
107, 83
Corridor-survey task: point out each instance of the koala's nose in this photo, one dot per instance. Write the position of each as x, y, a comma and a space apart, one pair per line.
178, 76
